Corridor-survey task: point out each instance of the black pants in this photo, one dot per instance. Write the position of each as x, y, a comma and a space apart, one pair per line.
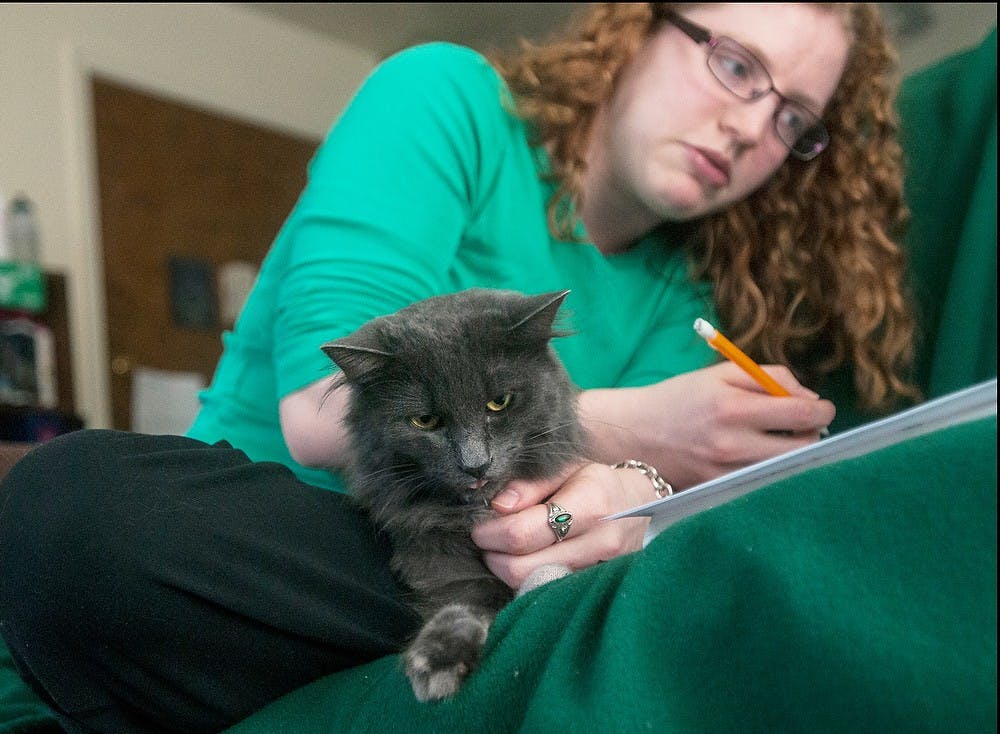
157, 583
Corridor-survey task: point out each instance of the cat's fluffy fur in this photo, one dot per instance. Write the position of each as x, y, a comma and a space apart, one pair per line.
451, 398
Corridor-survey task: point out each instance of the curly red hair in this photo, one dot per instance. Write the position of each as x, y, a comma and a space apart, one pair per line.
807, 270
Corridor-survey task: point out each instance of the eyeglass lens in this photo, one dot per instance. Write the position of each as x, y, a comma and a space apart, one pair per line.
741, 73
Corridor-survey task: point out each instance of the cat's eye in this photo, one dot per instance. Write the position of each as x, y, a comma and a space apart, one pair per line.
499, 403
425, 422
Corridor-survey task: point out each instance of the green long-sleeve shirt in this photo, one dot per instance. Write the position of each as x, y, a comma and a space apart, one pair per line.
425, 185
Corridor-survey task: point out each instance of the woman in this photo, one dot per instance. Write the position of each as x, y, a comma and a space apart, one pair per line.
663, 163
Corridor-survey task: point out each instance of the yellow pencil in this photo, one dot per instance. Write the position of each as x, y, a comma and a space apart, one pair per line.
733, 353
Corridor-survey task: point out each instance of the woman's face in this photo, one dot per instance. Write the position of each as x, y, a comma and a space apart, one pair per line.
682, 145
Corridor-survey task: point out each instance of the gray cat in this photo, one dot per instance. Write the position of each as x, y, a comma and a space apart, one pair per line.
452, 398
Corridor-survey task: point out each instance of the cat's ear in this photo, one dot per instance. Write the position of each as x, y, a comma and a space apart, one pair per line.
355, 360
537, 317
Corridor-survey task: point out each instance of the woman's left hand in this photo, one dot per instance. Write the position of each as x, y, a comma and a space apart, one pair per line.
520, 539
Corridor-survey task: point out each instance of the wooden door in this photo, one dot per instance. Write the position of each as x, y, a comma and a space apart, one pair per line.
182, 192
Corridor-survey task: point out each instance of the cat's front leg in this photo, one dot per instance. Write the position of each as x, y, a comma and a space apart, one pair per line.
446, 650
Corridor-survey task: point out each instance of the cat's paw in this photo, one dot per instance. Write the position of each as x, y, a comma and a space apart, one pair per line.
543, 575
445, 652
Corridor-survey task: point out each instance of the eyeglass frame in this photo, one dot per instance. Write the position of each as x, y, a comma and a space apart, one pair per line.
702, 35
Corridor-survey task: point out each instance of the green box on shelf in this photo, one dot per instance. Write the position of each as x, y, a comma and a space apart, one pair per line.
22, 286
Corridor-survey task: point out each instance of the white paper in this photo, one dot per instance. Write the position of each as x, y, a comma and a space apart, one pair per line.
962, 406
164, 402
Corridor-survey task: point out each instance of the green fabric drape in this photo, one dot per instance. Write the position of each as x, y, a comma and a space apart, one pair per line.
835, 601
948, 114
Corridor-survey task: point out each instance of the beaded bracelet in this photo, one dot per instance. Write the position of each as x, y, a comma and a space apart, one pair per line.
661, 486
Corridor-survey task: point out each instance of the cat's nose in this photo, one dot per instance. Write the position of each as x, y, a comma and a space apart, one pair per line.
478, 470
473, 454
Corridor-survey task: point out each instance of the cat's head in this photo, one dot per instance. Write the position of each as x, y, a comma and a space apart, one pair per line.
456, 395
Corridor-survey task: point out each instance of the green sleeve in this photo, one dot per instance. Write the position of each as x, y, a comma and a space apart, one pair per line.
383, 213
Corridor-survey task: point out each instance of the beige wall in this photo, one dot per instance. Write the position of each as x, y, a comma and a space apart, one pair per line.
220, 56
956, 26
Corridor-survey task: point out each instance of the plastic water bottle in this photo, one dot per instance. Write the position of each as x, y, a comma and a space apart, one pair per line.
22, 243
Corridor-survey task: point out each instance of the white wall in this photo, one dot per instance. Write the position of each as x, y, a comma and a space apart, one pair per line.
219, 56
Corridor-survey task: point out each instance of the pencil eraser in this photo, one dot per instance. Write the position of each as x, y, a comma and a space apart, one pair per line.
705, 330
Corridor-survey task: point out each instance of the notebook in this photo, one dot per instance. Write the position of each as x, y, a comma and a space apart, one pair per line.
978, 401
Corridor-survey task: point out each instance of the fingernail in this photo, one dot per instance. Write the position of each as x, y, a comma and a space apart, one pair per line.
506, 500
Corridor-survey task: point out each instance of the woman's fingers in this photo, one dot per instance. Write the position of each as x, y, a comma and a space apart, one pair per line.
601, 542
519, 495
567, 528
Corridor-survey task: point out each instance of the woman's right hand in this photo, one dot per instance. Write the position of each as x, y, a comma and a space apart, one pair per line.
705, 423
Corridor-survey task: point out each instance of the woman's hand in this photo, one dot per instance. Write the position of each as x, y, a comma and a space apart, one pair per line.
703, 424
520, 539
692, 428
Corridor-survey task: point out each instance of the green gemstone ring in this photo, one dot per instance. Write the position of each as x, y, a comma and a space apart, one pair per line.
559, 521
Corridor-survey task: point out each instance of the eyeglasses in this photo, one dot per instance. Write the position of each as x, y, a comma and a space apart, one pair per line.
744, 75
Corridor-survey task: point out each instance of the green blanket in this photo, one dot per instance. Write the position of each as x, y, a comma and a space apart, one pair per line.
833, 601
20, 710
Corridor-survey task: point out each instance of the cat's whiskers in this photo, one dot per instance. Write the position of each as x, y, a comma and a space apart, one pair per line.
551, 429
571, 447
407, 489
610, 424
397, 469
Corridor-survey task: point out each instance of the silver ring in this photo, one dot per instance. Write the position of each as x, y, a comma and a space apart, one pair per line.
559, 521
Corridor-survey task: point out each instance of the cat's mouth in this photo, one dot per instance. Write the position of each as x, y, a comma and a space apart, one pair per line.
475, 497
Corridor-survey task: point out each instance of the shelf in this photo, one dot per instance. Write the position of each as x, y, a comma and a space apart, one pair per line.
34, 423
